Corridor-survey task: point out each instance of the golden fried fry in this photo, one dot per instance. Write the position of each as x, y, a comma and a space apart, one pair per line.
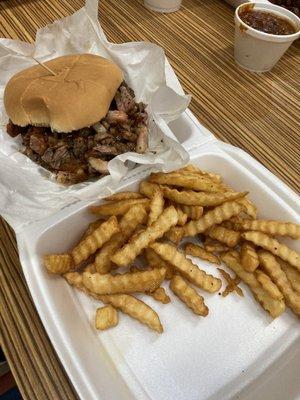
131, 250
90, 268
128, 304
268, 285
156, 206
182, 217
74, 279
106, 317
118, 207
229, 237
137, 309
192, 198
58, 263
213, 246
249, 257
148, 188
143, 281
92, 226
175, 234
198, 251
273, 228
155, 261
232, 284
213, 217
272, 267
274, 307
95, 240
185, 266
292, 274
128, 223
193, 181
248, 207
192, 169
275, 247
124, 196
160, 295
188, 295
192, 212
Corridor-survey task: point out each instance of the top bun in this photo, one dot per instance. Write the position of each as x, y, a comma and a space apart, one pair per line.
79, 95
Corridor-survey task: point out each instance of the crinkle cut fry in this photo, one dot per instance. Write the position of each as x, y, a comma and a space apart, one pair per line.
214, 246
292, 274
273, 228
192, 181
248, 207
132, 249
92, 226
117, 207
182, 217
272, 267
160, 295
268, 285
275, 247
156, 206
148, 188
186, 268
143, 281
192, 212
198, 251
95, 240
106, 317
58, 263
274, 307
193, 198
126, 303
228, 236
123, 196
195, 170
249, 257
128, 223
216, 216
188, 295
155, 261
175, 234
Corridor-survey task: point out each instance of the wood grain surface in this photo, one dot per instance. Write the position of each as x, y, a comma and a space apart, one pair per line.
259, 113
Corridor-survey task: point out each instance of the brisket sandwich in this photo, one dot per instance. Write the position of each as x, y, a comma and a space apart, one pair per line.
72, 122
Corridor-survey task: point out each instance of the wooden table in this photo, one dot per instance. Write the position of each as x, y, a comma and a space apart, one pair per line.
259, 113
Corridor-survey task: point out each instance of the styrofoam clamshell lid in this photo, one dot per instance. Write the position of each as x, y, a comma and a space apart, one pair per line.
218, 357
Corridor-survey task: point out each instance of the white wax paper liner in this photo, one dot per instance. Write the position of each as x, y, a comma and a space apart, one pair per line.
28, 192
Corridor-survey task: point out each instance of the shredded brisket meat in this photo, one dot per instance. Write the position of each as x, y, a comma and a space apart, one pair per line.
84, 154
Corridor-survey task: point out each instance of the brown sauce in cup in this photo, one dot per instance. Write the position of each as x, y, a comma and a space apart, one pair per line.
267, 22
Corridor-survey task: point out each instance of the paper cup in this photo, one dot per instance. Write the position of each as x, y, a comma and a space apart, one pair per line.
163, 6
258, 51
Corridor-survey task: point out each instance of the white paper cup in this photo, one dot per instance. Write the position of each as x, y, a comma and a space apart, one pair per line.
258, 51
163, 6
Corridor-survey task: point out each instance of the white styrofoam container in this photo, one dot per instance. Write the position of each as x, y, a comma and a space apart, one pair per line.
237, 352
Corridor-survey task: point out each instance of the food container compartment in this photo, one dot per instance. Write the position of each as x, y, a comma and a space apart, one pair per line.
210, 358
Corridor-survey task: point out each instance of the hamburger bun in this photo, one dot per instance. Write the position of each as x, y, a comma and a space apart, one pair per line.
78, 96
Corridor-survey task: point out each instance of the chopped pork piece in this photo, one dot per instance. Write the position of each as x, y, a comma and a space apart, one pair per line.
116, 117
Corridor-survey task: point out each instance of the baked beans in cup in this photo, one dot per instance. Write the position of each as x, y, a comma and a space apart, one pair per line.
263, 33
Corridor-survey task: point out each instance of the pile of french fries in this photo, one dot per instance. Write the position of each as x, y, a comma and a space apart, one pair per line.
152, 226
